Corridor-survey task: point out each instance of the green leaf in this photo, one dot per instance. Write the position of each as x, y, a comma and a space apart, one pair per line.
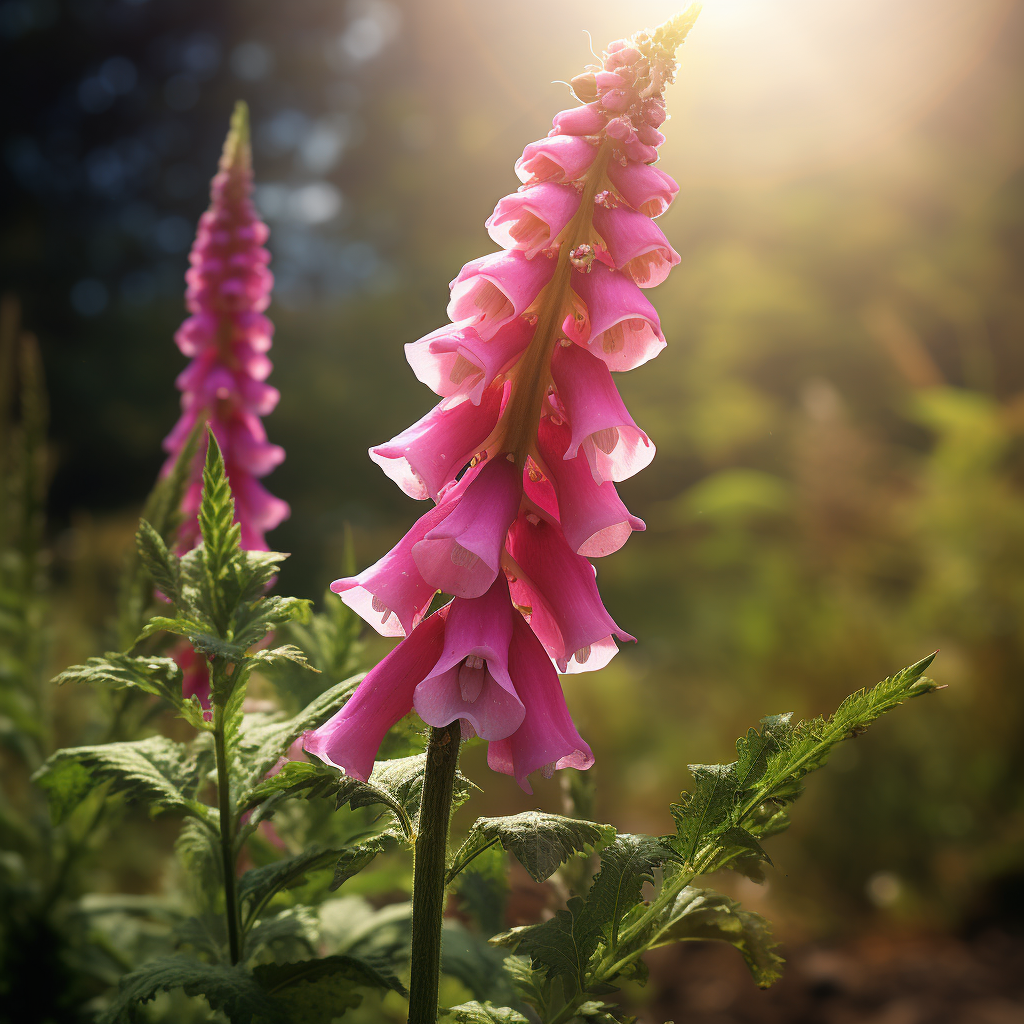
156, 771
541, 842
259, 885
163, 567
731, 806
703, 914
217, 514
562, 946
354, 858
475, 963
232, 990
159, 676
318, 991
626, 863
481, 1013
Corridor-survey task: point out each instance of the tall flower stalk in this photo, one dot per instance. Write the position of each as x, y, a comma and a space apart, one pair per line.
227, 337
522, 455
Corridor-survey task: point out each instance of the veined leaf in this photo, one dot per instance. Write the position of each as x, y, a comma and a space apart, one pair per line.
318, 991
230, 989
217, 513
481, 1013
156, 771
259, 885
483, 888
353, 859
159, 676
626, 863
161, 564
562, 946
705, 914
540, 842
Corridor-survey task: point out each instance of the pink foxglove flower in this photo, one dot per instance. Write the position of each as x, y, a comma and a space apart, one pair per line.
522, 455
227, 337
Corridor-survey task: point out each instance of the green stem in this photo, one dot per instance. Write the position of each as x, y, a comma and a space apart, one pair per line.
227, 835
431, 856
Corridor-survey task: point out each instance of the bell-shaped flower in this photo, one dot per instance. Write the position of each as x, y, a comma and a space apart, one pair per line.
556, 158
492, 290
425, 457
560, 589
471, 678
586, 120
647, 189
636, 244
391, 595
461, 555
350, 740
455, 361
531, 219
602, 428
622, 327
593, 518
547, 738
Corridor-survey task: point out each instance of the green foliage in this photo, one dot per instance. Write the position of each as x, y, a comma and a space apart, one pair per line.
155, 771
482, 887
232, 990
600, 938
703, 914
540, 842
481, 1013
317, 991
719, 822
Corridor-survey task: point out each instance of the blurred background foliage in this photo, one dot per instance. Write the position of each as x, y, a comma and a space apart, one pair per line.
839, 487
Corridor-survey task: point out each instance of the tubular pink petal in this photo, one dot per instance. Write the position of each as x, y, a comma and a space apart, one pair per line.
567, 583
547, 735
590, 659
435, 449
556, 158
637, 245
531, 219
586, 120
455, 361
625, 331
493, 289
647, 189
601, 425
471, 679
594, 520
350, 740
391, 595
462, 554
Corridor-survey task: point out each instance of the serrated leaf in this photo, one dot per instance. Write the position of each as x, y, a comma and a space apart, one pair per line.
354, 858
318, 991
293, 931
706, 811
232, 990
159, 676
156, 771
703, 914
160, 563
562, 945
757, 747
217, 513
259, 885
481, 1013
541, 842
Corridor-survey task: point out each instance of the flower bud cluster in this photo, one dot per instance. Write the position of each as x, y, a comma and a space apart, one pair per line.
227, 338
522, 454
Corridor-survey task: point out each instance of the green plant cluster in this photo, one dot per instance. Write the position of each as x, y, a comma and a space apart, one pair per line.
265, 842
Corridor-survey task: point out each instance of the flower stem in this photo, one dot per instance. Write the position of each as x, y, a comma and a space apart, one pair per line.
227, 835
431, 857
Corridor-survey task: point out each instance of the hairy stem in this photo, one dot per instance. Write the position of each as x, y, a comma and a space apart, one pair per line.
429, 872
227, 836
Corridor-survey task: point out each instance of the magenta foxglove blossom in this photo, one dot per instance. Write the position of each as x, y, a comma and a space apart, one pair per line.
227, 336
522, 455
